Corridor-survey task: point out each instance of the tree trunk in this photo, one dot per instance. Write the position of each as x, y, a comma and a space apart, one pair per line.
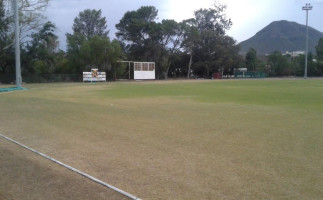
189, 67
207, 71
167, 70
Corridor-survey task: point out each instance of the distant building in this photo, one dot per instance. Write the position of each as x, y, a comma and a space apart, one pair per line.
294, 53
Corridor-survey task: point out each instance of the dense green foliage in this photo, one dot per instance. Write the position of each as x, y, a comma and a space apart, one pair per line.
213, 51
89, 23
319, 49
5, 41
145, 39
203, 37
279, 65
3, 22
41, 52
89, 46
251, 60
32, 22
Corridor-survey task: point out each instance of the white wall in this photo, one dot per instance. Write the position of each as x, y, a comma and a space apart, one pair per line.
144, 75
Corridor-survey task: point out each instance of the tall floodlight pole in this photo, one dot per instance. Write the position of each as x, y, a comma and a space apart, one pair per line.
17, 45
307, 7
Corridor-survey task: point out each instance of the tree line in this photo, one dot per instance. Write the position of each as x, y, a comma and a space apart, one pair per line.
278, 64
195, 47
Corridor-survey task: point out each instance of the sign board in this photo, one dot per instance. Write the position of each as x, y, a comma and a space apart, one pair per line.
94, 73
94, 76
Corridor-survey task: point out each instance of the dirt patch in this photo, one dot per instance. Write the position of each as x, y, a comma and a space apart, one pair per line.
27, 176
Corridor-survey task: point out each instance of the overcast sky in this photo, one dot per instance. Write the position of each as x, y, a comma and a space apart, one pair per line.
248, 16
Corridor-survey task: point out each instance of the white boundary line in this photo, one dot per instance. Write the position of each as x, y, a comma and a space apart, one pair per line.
73, 169
5, 92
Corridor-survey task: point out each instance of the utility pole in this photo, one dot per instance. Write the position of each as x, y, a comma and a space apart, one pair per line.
17, 45
307, 7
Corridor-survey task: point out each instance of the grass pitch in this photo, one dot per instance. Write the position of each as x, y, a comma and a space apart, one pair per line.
239, 139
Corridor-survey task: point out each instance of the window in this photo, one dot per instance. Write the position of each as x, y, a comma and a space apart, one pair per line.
151, 66
144, 66
137, 66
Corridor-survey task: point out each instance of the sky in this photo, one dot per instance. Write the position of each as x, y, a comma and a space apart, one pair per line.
248, 16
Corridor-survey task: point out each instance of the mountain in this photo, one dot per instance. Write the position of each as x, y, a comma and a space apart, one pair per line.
282, 36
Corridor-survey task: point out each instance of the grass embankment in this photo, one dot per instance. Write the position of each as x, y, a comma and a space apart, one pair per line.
245, 139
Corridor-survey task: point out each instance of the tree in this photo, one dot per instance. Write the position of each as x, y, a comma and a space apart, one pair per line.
33, 5
31, 17
6, 50
46, 38
213, 19
202, 37
172, 38
191, 35
87, 24
3, 23
251, 59
89, 46
212, 49
90, 23
30, 20
138, 30
319, 50
319, 55
143, 37
42, 50
133, 28
100, 52
278, 63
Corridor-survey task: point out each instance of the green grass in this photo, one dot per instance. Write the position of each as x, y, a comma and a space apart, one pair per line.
289, 93
235, 139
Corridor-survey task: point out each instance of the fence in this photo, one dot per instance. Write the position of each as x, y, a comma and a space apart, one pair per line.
250, 75
42, 78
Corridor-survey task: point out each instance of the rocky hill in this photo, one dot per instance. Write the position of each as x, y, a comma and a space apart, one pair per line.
282, 36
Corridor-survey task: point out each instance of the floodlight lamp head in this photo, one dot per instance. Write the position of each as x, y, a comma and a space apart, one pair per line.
307, 7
